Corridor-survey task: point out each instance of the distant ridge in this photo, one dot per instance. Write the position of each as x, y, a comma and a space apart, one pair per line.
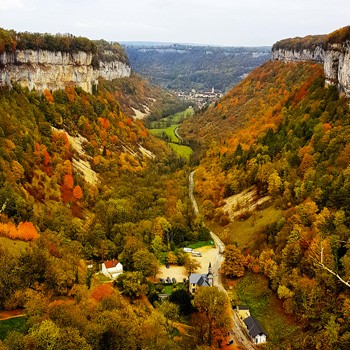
161, 43
186, 67
145, 43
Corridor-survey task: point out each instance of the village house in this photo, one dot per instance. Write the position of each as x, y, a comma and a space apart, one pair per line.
255, 330
197, 280
112, 268
243, 311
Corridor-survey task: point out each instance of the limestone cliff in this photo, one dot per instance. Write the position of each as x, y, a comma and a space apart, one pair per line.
42, 69
332, 50
45, 61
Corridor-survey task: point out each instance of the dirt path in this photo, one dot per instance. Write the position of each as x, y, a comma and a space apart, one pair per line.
237, 332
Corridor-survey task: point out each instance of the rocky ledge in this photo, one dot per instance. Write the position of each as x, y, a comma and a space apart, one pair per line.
332, 50
42, 69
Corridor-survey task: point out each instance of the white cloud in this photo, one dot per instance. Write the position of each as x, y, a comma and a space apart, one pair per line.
81, 24
227, 22
12, 5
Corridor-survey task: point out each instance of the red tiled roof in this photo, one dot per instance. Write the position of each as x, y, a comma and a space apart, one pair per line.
111, 263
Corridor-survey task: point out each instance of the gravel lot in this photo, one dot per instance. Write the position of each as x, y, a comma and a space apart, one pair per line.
209, 254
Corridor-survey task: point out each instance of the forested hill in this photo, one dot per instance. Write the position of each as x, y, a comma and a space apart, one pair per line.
284, 137
81, 182
59, 148
256, 101
186, 67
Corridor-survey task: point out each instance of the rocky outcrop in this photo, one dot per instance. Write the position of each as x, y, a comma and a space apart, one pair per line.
42, 69
337, 67
335, 57
292, 55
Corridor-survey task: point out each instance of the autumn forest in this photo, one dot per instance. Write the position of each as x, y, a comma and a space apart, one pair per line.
82, 181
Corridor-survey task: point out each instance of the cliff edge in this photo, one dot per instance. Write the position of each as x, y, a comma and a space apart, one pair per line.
43, 61
332, 50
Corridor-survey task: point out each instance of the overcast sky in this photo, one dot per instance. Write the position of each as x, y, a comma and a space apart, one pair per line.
221, 22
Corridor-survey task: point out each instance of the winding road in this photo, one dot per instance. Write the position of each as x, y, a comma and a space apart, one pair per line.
177, 134
238, 332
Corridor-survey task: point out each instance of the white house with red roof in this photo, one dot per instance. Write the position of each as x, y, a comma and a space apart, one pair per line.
112, 268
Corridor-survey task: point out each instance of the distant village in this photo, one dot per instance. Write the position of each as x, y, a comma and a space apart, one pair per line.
200, 99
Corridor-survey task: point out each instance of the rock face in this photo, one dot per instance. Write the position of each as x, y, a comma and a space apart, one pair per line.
334, 57
293, 55
52, 70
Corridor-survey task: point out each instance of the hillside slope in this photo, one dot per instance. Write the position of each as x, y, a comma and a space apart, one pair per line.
285, 134
257, 99
143, 100
82, 181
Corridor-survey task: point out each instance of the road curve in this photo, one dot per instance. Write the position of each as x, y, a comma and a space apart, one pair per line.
238, 333
176, 132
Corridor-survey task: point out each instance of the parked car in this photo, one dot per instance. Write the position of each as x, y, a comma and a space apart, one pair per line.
196, 253
188, 250
229, 342
168, 280
161, 280
174, 280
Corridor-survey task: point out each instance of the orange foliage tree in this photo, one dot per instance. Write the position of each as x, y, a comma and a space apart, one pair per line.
104, 123
41, 151
77, 192
69, 181
48, 96
25, 231
8, 230
102, 291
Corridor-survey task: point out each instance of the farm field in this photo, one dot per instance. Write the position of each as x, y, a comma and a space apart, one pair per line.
166, 129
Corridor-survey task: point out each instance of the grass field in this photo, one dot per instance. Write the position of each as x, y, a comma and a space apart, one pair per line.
252, 290
167, 126
101, 278
246, 232
176, 118
200, 244
13, 324
172, 119
168, 288
13, 246
169, 131
182, 151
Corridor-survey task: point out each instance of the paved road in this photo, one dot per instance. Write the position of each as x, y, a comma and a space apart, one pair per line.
193, 200
238, 333
177, 134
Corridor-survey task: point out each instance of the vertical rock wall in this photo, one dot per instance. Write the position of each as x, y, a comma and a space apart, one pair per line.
334, 57
51, 70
